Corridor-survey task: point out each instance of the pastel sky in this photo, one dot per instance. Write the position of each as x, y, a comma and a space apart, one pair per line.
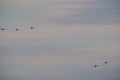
70, 36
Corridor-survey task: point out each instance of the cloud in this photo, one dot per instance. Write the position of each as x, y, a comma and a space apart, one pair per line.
34, 73
69, 12
74, 55
93, 14
60, 33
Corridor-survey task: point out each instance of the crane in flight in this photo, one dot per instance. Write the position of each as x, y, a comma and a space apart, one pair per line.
17, 29
2, 29
105, 62
95, 66
31, 27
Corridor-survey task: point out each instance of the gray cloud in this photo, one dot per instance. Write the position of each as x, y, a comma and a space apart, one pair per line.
100, 12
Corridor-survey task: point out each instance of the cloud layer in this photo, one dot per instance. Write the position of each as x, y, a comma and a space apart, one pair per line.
70, 36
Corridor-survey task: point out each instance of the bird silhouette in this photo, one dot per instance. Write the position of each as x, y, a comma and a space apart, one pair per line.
95, 66
17, 29
105, 62
31, 27
2, 29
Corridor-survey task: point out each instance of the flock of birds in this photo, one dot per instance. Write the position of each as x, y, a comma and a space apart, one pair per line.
105, 62
17, 29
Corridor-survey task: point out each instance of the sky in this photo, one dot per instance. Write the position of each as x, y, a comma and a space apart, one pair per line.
69, 38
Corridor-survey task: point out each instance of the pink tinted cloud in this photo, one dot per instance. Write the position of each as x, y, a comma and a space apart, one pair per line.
58, 33
78, 56
35, 73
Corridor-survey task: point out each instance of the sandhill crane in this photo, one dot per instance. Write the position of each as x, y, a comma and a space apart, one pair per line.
2, 29
105, 62
31, 27
17, 29
95, 66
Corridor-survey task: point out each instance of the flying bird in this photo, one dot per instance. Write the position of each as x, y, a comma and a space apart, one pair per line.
105, 62
31, 27
96, 66
17, 29
2, 29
